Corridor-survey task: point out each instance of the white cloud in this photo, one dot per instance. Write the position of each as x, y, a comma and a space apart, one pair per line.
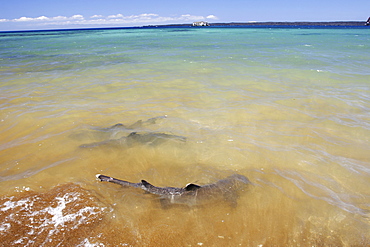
59, 18
24, 19
99, 20
149, 15
96, 16
47, 19
115, 16
213, 17
79, 17
42, 18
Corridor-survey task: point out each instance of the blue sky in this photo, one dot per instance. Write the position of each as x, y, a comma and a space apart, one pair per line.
55, 14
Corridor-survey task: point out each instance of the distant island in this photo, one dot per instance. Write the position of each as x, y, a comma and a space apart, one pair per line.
271, 24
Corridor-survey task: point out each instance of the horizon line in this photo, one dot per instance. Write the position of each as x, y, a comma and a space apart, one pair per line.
214, 24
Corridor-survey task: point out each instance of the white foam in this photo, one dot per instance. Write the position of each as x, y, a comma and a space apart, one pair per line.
86, 243
53, 219
60, 219
4, 226
21, 203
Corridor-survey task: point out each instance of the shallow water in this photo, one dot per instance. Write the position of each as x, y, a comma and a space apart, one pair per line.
287, 108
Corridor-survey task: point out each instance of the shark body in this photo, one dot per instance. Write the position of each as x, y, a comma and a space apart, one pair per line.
134, 138
136, 125
106, 135
113, 135
227, 189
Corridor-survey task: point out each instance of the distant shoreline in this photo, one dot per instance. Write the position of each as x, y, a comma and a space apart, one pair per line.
274, 24
269, 24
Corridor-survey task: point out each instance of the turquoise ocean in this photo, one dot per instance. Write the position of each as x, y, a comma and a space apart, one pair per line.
288, 108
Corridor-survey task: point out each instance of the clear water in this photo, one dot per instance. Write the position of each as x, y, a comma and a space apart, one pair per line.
287, 108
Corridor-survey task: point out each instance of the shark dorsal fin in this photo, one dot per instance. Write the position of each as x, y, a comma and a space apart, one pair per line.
132, 134
118, 125
191, 187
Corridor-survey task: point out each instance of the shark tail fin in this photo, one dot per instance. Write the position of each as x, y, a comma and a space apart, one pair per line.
191, 187
146, 184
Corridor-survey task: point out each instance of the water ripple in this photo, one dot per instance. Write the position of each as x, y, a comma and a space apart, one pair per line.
318, 190
32, 171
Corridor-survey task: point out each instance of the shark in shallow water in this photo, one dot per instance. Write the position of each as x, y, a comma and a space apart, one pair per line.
116, 131
227, 189
137, 124
134, 138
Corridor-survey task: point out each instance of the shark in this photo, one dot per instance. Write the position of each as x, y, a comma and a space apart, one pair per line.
136, 125
134, 138
227, 189
115, 131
